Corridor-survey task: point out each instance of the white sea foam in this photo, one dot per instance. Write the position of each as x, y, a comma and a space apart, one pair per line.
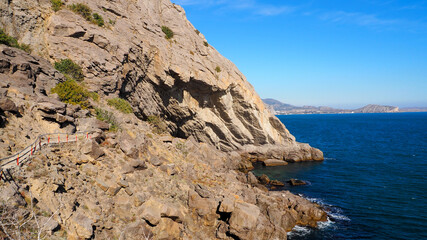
338, 216
327, 224
315, 200
299, 231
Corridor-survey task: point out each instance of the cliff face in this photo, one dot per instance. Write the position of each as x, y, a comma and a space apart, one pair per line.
183, 79
128, 184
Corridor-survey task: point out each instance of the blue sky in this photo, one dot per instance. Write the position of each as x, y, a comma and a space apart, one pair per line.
338, 53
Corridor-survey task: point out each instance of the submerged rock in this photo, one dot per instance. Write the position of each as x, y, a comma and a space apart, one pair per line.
274, 162
296, 182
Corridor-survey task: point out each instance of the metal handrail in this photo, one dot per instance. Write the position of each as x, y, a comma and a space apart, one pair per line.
41, 140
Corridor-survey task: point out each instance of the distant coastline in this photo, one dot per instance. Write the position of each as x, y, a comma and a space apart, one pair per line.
279, 108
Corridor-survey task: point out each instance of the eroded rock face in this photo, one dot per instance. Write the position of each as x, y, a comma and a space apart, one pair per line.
177, 79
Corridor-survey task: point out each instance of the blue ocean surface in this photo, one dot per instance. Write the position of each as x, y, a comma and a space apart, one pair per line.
373, 182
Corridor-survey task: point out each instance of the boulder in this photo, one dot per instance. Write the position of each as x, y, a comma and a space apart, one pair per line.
296, 182
226, 205
138, 164
82, 226
274, 162
51, 105
8, 105
170, 169
49, 225
252, 178
276, 183
156, 161
151, 211
85, 124
129, 148
264, 179
243, 219
93, 149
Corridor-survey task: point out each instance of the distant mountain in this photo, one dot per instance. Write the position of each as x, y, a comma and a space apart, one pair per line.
371, 108
278, 107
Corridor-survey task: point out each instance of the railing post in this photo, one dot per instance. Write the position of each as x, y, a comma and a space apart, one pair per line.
48, 139
17, 160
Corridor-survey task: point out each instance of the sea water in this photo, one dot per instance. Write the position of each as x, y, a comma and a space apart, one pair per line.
373, 182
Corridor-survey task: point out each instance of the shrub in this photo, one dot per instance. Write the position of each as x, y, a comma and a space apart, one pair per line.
94, 96
197, 32
112, 22
68, 67
183, 148
218, 69
104, 115
98, 20
191, 52
158, 124
206, 44
168, 32
121, 105
72, 92
56, 5
12, 42
83, 10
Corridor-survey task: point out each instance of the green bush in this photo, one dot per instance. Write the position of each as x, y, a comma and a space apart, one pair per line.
94, 96
206, 44
12, 42
98, 20
70, 68
104, 115
83, 10
121, 105
158, 123
72, 92
56, 5
168, 32
218, 69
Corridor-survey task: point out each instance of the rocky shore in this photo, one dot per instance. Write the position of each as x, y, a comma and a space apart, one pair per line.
173, 167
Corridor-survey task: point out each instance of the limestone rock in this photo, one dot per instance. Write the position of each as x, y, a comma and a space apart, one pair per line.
243, 219
274, 162
82, 226
151, 211
8, 105
172, 79
264, 179
277, 183
252, 178
296, 182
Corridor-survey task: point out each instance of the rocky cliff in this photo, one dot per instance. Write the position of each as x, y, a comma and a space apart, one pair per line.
183, 79
126, 184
